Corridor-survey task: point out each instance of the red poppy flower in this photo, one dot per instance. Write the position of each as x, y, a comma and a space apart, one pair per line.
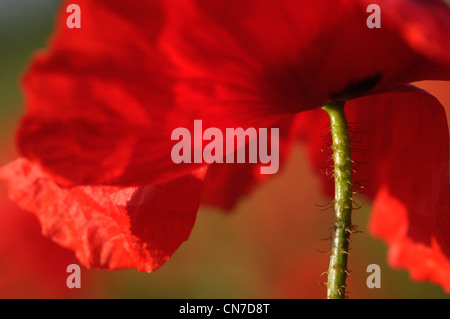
103, 100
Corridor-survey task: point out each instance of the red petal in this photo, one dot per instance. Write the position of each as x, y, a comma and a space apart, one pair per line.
312, 128
225, 184
409, 161
405, 145
108, 227
103, 101
425, 25
293, 54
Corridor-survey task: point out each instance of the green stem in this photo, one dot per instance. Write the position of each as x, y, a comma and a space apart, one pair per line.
337, 271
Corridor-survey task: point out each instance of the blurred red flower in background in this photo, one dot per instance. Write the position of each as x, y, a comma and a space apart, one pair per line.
31, 265
103, 100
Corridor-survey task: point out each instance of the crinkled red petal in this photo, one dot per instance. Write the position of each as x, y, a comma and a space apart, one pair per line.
108, 227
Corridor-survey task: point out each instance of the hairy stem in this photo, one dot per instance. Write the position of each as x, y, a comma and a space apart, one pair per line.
337, 271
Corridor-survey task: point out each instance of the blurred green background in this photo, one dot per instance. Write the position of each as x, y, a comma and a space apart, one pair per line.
269, 247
